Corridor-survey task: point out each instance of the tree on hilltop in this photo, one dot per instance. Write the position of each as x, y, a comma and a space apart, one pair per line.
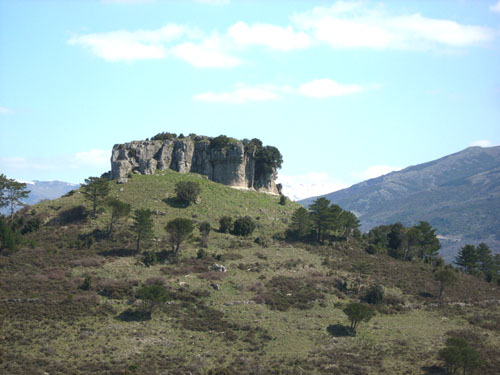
11, 193
95, 190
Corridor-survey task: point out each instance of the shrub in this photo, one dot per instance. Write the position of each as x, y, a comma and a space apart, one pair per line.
150, 258
374, 294
152, 296
225, 224
244, 226
31, 226
187, 191
205, 229
283, 200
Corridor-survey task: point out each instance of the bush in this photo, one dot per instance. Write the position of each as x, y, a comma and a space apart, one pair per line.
243, 226
357, 312
374, 294
283, 200
152, 296
225, 224
31, 226
187, 191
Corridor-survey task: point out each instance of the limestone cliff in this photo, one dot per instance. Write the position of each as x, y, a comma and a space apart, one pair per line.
229, 162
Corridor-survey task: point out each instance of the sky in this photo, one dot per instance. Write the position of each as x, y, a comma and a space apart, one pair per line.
345, 90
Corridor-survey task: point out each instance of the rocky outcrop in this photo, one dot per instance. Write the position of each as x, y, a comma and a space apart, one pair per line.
230, 164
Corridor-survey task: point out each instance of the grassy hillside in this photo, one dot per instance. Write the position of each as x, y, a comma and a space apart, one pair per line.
270, 315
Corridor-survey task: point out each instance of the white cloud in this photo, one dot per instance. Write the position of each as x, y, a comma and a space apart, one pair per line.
271, 36
323, 88
482, 143
376, 171
495, 7
128, 45
355, 25
5, 111
308, 185
320, 88
209, 54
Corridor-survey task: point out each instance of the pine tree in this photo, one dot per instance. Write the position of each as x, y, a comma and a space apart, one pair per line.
143, 225
95, 189
467, 259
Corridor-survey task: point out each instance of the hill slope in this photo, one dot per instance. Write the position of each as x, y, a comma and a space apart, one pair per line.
458, 194
68, 306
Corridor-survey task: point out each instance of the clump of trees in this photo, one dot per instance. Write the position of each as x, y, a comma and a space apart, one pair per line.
419, 241
188, 191
459, 355
323, 220
164, 136
479, 261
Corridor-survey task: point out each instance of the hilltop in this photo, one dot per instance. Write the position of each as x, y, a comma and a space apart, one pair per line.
458, 194
69, 306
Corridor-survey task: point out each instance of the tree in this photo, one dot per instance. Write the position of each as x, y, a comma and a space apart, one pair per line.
205, 229
187, 191
350, 223
3, 184
357, 313
301, 224
179, 229
119, 210
321, 217
457, 354
446, 277
152, 296
11, 193
361, 269
429, 244
225, 224
143, 225
95, 190
486, 262
467, 259
395, 239
243, 226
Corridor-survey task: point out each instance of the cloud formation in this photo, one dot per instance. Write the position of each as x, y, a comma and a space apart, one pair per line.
319, 88
340, 26
356, 25
495, 7
482, 143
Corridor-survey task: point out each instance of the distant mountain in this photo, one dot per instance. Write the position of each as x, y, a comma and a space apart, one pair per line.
458, 194
40, 190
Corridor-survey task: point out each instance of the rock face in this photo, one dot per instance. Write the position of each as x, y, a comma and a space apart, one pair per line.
231, 165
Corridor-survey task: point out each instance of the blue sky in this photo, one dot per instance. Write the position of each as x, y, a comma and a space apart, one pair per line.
346, 90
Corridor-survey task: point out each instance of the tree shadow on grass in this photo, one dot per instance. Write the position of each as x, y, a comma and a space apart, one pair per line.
426, 295
131, 315
118, 253
176, 203
433, 370
339, 330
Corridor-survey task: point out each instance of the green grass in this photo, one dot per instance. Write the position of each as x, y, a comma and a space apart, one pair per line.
67, 330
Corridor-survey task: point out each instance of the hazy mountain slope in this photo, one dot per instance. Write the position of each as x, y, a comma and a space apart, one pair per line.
40, 190
459, 194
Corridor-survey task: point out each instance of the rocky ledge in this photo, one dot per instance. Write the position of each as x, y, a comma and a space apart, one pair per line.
241, 164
